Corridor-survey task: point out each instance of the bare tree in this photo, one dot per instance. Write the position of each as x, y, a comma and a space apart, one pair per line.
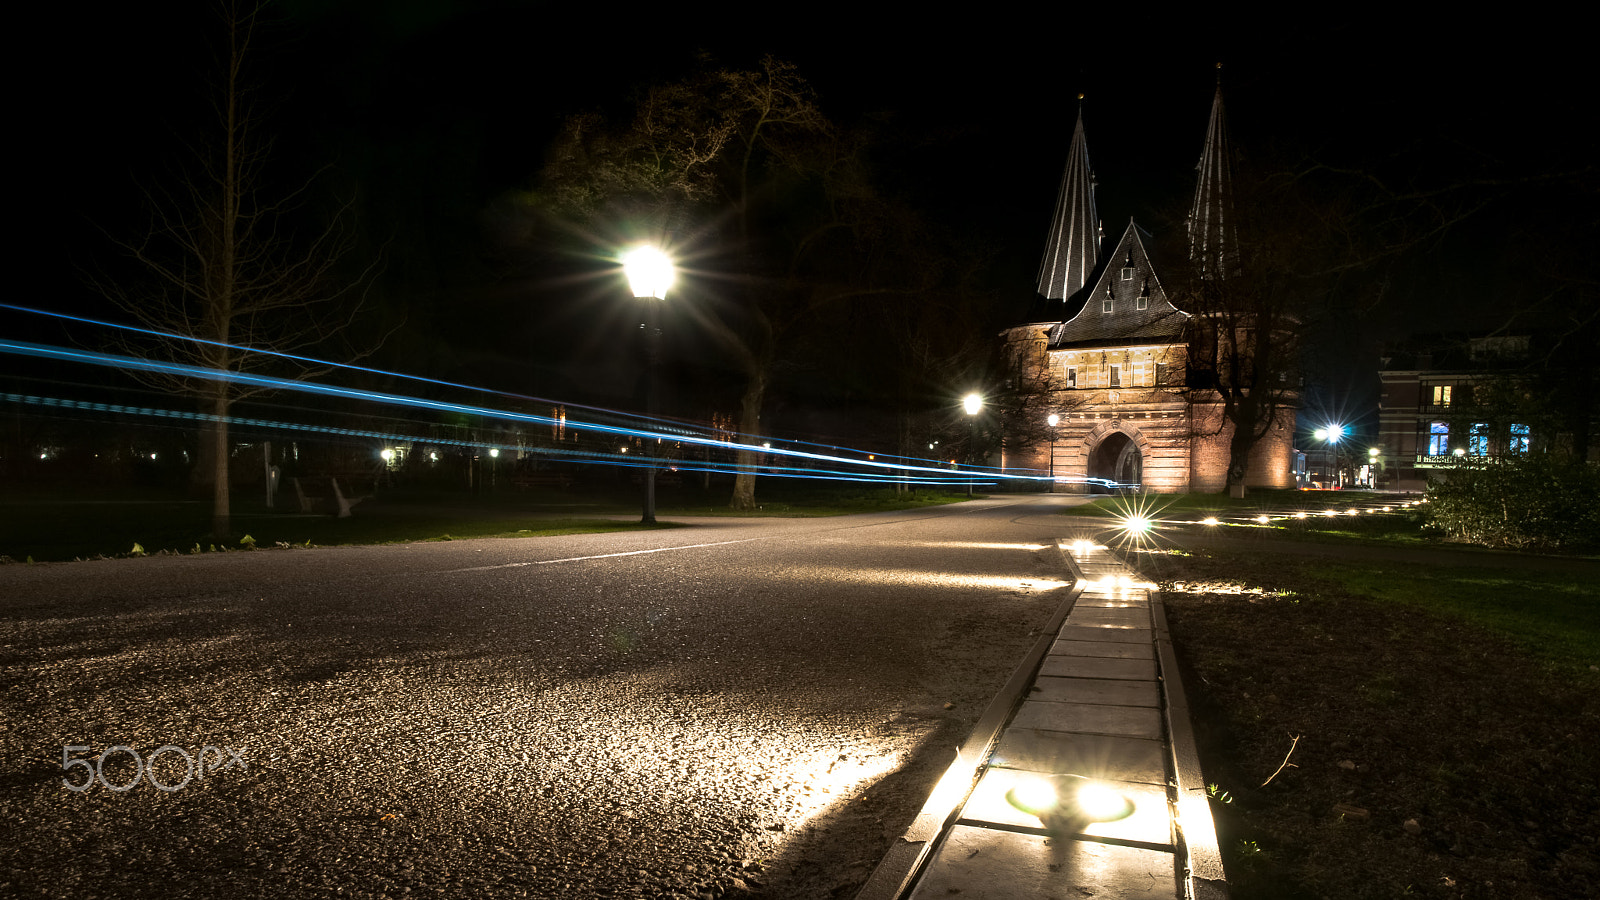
747, 163
229, 284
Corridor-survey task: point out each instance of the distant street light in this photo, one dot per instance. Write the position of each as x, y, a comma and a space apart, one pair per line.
973, 404
1333, 434
650, 272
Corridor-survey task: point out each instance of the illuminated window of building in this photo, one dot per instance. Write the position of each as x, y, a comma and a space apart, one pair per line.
1441, 395
1072, 376
1478, 440
1116, 376
1439, 439
1519, 439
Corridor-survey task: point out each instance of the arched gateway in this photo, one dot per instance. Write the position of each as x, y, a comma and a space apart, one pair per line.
1117, 460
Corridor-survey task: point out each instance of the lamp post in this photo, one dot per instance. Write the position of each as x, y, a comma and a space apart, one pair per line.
1333, 434
973, 404
1053, 421
650, 273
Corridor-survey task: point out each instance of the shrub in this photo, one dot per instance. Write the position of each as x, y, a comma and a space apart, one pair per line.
1536, 501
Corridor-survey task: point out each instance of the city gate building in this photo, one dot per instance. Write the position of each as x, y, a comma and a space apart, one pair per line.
1111, 365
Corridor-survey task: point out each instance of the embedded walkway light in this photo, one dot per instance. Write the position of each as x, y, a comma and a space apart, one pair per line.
1066, 803
650, 272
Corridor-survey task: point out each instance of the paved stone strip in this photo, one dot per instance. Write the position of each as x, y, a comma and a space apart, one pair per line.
1098, 707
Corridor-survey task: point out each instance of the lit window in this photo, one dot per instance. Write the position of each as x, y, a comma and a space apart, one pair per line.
1072, 376
1116, 376
1441, 395
1439, 439
1519, 439
1478, 440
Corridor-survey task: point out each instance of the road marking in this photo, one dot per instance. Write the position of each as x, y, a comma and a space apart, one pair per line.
551, 562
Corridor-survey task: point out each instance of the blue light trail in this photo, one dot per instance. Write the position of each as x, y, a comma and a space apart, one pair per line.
890, 469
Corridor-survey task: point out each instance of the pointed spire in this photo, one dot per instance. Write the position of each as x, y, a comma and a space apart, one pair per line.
1213, 237
1073, 248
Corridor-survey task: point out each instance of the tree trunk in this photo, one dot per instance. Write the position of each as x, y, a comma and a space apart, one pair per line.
744, 483
1240, 443
221, 516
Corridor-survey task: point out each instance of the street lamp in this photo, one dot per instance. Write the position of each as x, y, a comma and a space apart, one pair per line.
1333, 434
650, 273
1053, 421
973, 404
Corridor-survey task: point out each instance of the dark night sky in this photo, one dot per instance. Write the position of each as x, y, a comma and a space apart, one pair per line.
436, 108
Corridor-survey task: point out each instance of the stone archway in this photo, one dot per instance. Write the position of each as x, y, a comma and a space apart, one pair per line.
1116, 458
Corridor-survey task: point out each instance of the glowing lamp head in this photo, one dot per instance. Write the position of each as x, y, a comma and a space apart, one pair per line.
1054, 420
972, 403
1065, 803
1209, 520
1136, 524
650, 272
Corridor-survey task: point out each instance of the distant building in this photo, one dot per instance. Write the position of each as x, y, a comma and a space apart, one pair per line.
1447, 397
1109, 356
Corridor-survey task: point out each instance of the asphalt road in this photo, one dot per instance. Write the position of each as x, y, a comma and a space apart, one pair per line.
739, 708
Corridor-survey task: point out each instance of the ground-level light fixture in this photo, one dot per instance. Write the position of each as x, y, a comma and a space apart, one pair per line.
1066, 803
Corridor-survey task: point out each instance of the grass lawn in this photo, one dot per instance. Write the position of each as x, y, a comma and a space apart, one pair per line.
68, 525
1441, 722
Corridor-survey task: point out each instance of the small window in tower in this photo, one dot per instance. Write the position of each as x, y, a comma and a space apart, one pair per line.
1116, 376
1127, 273
1144, 296
1105, 306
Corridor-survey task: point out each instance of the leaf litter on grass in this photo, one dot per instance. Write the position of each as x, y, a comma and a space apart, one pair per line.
1436, 757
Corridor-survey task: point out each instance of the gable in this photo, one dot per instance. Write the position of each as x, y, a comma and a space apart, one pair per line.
1127, 302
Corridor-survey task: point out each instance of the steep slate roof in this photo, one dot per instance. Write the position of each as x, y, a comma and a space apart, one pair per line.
1158, 322
1070, 252
1213, 241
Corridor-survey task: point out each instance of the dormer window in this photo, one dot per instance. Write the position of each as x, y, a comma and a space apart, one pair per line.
1144, 296
1127, 273
1105, 306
